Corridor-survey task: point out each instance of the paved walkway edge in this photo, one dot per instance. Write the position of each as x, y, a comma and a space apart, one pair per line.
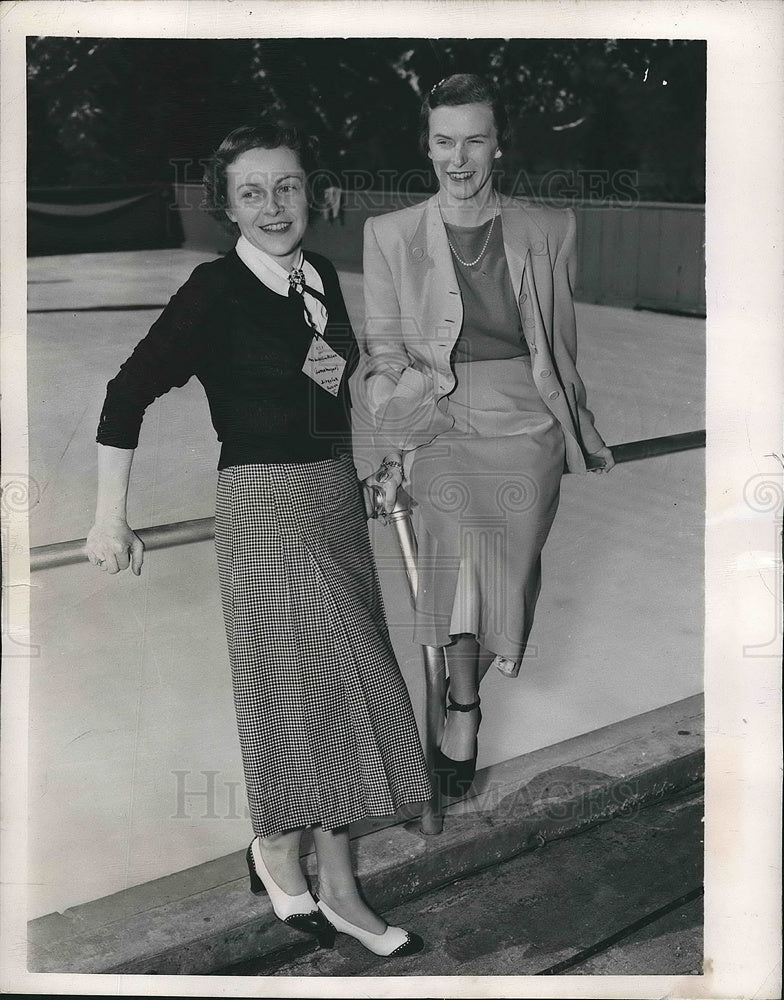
204, 919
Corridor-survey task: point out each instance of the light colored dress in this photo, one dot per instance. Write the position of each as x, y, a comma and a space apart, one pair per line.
487, 490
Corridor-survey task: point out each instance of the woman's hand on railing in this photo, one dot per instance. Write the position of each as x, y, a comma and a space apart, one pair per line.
386, 481
601, 460
112, 546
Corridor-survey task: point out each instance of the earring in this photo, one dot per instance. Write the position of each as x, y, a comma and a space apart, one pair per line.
497, 153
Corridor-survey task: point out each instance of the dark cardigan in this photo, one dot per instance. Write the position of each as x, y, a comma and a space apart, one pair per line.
246, 345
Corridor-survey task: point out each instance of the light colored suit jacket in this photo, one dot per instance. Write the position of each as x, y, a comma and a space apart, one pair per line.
414, 312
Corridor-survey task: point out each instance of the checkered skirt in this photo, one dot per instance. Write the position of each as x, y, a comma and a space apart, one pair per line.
326, 729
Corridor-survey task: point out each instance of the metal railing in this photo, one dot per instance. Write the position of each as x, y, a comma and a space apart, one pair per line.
163, 536
431, 820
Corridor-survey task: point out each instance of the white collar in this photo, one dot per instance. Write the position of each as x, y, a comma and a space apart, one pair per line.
270, 272
276, 278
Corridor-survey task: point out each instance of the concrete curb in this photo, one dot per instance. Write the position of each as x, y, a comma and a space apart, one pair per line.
204, 919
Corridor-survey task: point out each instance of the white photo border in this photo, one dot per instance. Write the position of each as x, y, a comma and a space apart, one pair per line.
745, 319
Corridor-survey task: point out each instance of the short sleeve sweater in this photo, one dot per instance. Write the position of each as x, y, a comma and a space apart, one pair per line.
246, 345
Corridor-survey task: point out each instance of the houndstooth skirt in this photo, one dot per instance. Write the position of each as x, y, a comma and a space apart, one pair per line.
326, 728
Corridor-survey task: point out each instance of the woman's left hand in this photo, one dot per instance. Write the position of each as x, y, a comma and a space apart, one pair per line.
603, 460
385, 481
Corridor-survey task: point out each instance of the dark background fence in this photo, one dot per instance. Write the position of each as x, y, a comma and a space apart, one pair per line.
650, 255
614, 127
93, 219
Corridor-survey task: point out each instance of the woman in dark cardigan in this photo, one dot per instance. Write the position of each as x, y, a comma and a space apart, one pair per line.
325, 724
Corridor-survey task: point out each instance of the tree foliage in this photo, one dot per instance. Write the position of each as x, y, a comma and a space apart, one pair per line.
119, 111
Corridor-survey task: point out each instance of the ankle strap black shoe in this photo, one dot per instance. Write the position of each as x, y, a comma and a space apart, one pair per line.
455, 706
453, 778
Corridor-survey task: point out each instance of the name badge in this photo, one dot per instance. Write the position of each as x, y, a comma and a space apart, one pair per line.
324, 366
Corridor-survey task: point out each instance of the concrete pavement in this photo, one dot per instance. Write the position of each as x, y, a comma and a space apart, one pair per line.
129, 689
205, 919
539, 913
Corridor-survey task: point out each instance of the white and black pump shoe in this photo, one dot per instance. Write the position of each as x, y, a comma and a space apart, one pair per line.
299, 912
394, 940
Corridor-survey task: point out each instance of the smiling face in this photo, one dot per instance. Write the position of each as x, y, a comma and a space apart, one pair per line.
266, 194
463, 145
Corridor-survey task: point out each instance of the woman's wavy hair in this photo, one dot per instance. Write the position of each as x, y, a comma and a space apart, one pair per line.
265, 134
464, 88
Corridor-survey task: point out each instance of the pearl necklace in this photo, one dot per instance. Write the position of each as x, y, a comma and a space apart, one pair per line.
472, 263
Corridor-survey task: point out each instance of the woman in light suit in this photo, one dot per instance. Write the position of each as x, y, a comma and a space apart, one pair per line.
473, 397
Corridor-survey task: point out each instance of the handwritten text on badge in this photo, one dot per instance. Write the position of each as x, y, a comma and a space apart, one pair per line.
324, 366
